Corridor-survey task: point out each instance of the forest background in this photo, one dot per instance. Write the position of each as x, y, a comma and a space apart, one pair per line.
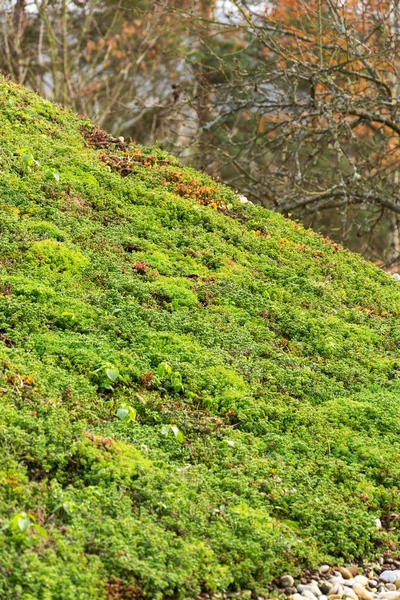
294, 103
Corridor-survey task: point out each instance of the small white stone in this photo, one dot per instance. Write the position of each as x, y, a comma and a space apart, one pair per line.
243, 200
396, 277
336, 590
390, 595
361, 580
324, 569
363, 593
350, 593
388, 576
308, 594
313, 588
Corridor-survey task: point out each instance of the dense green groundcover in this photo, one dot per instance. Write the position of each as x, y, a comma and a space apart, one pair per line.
129, 284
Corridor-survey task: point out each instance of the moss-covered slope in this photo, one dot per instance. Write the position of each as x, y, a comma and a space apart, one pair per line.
196, 395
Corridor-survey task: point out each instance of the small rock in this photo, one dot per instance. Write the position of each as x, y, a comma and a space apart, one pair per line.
353, 570
308, 594
397, 583
345, 573
313, 588
289, 591
378, 522
325, 586
372, 583
388, 576
121, 139
334, 597
286, 581
349, 593
243, 199
324, 569
362, 592
361, 580
337, 579
380, 560
296, 597
389, 596
390, 587
336, 589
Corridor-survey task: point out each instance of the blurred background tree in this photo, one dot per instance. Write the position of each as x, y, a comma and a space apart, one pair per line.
295, 103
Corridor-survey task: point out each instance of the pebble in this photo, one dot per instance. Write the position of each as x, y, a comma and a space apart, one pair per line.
308, 594
313, 588
338, 579
296, 597
350, 593
361, 580
388, 576
363, 593
372, 583
397, 583
243, 199
324, 569
336, 589
345, 573
391, 587
287, 581
325, 586
389, 596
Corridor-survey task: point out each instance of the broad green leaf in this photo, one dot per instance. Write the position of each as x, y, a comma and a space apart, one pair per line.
28, 159
23, 524
40, 530
164, 369
112, 374
122, 413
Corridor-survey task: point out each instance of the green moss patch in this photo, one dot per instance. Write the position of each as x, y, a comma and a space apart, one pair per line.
195, 395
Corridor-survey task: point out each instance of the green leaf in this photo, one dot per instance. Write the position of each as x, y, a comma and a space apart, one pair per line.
180, 437
40, 530
28, 159
126, 413
177, 433
23, 523
122, 413
163, 369
112, 374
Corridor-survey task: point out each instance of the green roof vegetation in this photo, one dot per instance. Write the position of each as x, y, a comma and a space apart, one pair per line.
196, 395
